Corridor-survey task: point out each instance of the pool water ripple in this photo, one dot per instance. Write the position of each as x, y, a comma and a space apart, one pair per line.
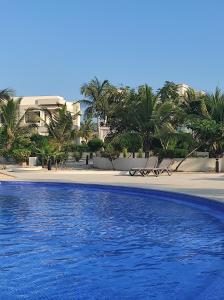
64, 241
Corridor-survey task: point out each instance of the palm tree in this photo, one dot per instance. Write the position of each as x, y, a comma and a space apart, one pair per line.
215, 105
6, 94
151, 116
168, 92
143, 112
193, 104
86, 130
60, 126
215, 109
205, 115
96, 95
12, 121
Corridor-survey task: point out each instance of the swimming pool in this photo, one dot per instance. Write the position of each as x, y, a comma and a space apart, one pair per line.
73, 241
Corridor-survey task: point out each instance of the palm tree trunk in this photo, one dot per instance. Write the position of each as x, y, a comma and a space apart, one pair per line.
98, 125
189, 154
105, 121
111, 160
42, 161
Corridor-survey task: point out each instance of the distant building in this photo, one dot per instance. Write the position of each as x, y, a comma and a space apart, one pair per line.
182, 88
103, 131
37, 103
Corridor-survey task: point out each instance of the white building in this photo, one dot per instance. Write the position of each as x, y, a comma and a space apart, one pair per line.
182, 88
37, 103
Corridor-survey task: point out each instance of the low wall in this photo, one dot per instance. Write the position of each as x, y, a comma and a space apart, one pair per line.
196, 164
192, 164
121, 164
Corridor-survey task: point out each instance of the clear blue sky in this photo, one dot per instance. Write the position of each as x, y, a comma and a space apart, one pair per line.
51, 47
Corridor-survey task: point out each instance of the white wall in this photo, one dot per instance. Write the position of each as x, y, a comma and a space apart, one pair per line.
196, 164
121, 164
192, 164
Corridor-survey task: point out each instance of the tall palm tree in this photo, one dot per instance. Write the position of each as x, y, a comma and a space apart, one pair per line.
205, 113
168, 92
151, 116
96, 99
12, 122
6, 94
194, 104
86, 130
60, 126
144, 113
215, 109
215, 105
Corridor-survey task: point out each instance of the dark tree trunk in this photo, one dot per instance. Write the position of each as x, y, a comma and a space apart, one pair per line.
189, 154
146, 154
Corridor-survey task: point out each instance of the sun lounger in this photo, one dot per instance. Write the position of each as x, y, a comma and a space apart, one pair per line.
164, 166
151, 163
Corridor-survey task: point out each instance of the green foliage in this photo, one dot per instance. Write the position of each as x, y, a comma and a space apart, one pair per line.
12, 123
46, 150
78, 151
125, 152
138, 118
6, 94
21, 155
96, 98
208, 132
131, 141
60, 127
169, 92
175, 153
77, 155
110, 153
80, 148
140, 153
95, 145
141, 112
86, 130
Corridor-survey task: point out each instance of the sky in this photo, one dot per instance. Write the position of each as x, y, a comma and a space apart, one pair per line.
52, 47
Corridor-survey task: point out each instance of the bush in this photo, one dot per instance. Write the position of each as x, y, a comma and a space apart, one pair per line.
95, 145
125, 152
77, 155
21, 155
140, 153
110, 152
131, 141
175, 153
80, 148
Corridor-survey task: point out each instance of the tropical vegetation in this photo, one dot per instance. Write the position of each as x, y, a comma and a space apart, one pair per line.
166, 122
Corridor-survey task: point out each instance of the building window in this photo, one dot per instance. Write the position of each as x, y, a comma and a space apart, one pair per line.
32, 117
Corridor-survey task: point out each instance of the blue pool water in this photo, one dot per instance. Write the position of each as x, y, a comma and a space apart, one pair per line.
65, 241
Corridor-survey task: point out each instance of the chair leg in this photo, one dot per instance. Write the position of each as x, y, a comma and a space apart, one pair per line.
156, 173
169, 172
132, 173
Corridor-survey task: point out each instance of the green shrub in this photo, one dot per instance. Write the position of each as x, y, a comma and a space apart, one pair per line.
21, 155
140, 153
110, 153
77, 155
175, 153
80, 148
131, 141
95, 145
125, 152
